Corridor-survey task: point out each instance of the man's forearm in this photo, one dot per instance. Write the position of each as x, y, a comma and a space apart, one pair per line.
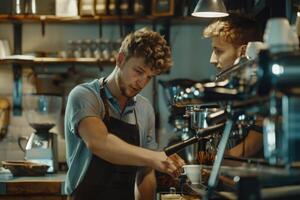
146, 185
119, 152
111, 148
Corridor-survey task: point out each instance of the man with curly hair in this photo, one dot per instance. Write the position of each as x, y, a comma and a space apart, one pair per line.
229, 38
109, 127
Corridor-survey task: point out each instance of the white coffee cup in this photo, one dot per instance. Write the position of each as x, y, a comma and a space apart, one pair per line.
193, 172
253, 49
277, 32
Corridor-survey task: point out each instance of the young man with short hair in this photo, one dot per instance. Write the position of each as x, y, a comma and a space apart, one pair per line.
229, 37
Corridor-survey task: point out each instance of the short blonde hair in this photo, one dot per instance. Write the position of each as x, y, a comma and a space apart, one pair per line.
149, 45
235, 29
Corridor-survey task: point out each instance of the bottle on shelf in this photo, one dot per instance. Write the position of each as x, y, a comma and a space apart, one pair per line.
101, 7
124, 7
86, 8
30, 7
112, 7
17, 7
138, 7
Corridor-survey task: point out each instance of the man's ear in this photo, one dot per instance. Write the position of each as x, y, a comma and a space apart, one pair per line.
120, 59
242, 50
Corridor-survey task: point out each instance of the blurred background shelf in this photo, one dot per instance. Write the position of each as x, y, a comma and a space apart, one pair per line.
49, 60
95, 19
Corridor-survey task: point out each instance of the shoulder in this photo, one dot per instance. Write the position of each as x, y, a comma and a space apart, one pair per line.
85, 90
143, 103
144, 108
85, 95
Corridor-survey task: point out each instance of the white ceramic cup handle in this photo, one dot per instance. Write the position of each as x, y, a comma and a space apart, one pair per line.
183, 172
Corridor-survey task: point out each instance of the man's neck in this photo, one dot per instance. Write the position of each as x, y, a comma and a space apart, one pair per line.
114, 88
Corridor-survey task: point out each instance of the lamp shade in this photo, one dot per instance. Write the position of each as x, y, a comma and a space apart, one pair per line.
210, 9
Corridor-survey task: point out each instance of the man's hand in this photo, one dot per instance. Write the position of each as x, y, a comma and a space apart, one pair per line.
171, 165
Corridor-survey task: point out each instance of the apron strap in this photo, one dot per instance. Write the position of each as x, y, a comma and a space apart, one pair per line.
106, 106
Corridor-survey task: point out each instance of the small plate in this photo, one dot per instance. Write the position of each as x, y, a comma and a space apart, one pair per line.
25, 168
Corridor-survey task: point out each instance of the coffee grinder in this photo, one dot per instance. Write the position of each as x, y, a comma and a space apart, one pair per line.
42, 113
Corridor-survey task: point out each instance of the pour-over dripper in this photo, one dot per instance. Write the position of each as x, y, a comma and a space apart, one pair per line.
42, 128
42, 111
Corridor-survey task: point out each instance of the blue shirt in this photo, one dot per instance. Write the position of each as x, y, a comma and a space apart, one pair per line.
115, 105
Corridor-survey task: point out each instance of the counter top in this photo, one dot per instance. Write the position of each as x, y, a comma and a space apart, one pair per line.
50, 184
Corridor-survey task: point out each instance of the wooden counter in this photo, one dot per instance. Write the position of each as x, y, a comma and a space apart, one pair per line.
48, 187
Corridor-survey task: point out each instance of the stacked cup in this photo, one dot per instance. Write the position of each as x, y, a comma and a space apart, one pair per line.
253, 48
279, 36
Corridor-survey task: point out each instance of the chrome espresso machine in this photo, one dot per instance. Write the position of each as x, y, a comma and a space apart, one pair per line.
187, 119
177, 118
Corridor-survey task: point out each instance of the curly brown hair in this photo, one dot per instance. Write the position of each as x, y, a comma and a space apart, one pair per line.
235, 29
149, 45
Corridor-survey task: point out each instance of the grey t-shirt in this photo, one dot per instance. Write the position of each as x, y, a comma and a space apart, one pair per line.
84, 101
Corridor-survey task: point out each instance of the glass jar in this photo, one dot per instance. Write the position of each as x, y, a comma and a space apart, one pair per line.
95, 49
71, 48
86, 49
105, 49
78, 49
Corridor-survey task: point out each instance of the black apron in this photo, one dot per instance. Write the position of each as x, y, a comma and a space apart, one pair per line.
104, 180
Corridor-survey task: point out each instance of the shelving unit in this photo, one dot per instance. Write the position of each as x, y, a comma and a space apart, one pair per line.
96, 19
76, 19
127, 22
48, 60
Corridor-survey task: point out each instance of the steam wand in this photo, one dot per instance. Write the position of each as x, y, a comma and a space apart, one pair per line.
200, 134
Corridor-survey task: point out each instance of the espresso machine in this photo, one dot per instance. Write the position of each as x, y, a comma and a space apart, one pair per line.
268, 87
280, 79
189, 115
42, 113
180, 119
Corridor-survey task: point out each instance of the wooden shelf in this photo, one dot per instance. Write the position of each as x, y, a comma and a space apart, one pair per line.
95, 19
48, 60
76, 19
